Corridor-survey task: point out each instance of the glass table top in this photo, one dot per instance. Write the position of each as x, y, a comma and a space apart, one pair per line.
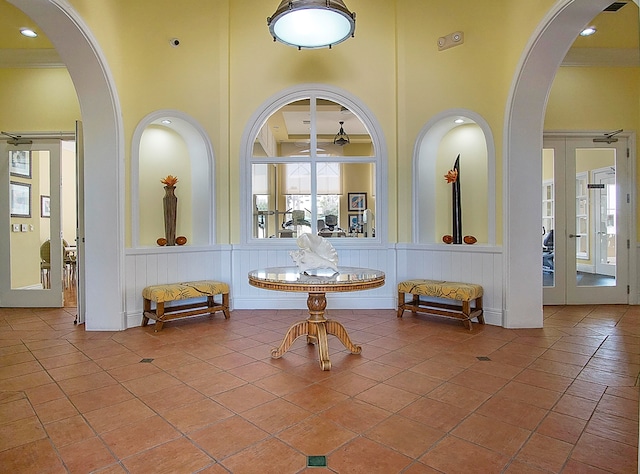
292, 275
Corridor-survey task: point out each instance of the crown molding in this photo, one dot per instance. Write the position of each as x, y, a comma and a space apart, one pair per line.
602, 57
30, 58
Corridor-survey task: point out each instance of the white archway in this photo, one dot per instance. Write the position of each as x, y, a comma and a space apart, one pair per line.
102, 246
522, 173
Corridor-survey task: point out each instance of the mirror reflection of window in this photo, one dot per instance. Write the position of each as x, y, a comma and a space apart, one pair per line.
307, 158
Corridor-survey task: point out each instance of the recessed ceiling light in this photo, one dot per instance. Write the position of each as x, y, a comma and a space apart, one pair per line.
588, 31
166, 121
28, 33
458, 120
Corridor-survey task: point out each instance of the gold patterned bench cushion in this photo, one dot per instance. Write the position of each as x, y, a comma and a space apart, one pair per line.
441, 289
183, 291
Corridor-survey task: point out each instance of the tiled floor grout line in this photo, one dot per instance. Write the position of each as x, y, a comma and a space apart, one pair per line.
130, 345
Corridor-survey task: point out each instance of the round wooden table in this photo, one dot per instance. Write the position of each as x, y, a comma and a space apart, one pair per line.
316, 327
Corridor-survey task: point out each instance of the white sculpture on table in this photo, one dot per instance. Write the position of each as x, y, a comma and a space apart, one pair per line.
315, 253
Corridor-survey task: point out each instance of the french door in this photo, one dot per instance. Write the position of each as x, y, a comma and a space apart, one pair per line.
31, 261
587, 211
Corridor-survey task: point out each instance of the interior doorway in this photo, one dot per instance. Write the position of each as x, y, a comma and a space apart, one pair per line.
39, 264
586, 217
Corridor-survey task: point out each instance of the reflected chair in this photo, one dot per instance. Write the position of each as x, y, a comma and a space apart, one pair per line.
548, 254
45, 264
69, 264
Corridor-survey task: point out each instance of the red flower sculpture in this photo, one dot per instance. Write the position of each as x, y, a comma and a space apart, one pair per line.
451, 176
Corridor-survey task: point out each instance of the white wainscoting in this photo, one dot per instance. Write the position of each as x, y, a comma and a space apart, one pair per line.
154, 266
231, 264
247, 258
466, 263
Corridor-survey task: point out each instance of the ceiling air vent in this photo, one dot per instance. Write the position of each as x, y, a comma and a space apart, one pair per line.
614, 7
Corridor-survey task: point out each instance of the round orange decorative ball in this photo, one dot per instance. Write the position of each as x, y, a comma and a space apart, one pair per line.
181, 240
447, 239
161, 241
469, 239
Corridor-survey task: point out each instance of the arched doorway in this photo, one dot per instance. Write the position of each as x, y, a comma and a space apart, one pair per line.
101, 293
522, 147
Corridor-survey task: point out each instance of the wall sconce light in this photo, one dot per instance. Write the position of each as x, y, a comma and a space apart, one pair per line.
311, 24
341, 139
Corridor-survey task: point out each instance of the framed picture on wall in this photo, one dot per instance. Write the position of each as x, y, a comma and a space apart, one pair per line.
20, 163
357, 201
45, 206
355, 222
20, 199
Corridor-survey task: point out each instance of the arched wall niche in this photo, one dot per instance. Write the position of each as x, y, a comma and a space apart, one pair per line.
438, 144
171, 142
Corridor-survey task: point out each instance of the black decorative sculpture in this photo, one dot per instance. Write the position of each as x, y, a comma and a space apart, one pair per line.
457, 205
453, 177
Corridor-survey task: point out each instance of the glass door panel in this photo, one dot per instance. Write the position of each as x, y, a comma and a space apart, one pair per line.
584, 202
592, 183
32, 266
605, 225
548, 218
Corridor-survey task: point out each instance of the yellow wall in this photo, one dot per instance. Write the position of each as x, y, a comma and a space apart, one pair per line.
227, 66
404, 83
260, 68
37, 100
151, 75
602, 98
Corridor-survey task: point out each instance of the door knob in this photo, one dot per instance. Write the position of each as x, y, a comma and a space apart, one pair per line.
571, 236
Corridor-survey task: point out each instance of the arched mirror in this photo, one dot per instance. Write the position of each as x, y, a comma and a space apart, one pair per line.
313, 169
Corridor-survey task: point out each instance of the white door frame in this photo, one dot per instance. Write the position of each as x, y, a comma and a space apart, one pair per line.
565, 290
33, 297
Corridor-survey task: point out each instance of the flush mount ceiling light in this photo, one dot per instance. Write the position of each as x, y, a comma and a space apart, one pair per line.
28, 33
588, 31
311, 24
341, 138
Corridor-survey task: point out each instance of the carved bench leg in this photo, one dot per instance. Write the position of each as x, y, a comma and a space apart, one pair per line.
400, 303
479, 306
146, 307
466, 313
159, 316
415, 301
225, 303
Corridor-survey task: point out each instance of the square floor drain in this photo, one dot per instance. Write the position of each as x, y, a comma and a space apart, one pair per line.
482, 358
316, 461
146, 361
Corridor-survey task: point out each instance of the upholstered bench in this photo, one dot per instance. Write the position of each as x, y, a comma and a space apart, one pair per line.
464, 293
161, 294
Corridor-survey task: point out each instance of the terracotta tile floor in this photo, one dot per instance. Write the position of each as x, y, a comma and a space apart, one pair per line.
425, 395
